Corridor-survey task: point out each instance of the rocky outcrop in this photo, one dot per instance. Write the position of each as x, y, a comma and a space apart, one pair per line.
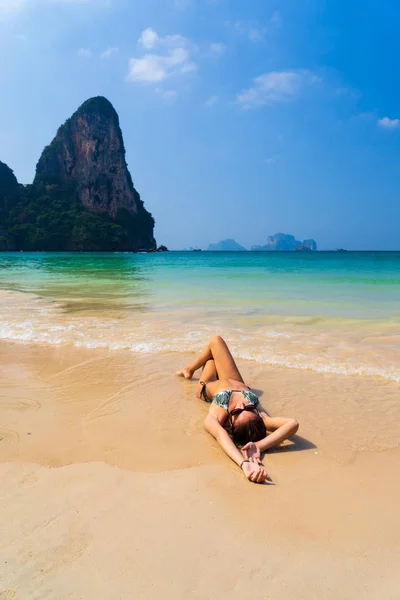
9, 186
88, 153
10, 191
82, 197
283, 242
311, 244
228, 245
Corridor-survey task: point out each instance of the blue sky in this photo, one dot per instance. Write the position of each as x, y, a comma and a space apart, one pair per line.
240, 118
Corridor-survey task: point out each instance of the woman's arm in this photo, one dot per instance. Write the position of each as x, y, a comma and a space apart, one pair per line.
253, 471
282, 428
214, 427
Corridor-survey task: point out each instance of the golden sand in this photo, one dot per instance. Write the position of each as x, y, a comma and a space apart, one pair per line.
112, 490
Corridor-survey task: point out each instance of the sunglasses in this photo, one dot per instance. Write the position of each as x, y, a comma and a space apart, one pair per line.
238, 411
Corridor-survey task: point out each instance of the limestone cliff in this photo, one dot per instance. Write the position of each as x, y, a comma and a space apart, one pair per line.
8, 184
88, 153
228, 245
9, 192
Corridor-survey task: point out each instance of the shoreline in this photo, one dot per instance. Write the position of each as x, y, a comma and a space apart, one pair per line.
328, 345
111, 488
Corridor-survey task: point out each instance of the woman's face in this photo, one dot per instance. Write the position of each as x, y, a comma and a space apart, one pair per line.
244, 416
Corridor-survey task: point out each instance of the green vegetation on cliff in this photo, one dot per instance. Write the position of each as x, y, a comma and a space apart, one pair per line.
48, 216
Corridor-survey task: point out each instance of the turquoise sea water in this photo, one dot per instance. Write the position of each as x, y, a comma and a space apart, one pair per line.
333, 312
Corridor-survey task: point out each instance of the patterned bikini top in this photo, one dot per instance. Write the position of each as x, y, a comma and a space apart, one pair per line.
222, 398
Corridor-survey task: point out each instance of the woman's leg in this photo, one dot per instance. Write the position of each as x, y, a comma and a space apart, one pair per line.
209, 373
217, 350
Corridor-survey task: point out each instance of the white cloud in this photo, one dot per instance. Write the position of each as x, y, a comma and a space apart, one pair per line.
167, 95
252, 31
276, 86
389, 123
84, 53
174, 58
148, 38
155, 68
216, 49
109, 52
211, 101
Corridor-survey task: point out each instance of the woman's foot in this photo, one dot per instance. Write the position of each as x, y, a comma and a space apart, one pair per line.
186, 373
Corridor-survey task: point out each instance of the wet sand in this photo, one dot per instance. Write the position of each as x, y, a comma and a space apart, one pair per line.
112, 489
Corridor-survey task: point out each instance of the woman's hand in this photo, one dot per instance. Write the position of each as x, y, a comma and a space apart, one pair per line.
254, 472
252, 452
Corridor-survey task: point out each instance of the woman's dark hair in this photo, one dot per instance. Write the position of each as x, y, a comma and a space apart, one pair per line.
252, 430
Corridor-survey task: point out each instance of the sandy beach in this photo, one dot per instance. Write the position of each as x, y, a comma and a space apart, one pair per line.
112, 489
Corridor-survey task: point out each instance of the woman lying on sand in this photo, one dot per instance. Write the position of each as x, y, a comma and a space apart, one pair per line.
235, 417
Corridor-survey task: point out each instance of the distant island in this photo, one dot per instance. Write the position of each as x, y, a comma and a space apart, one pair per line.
283, 242
280, 242
228, 245
82, 197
